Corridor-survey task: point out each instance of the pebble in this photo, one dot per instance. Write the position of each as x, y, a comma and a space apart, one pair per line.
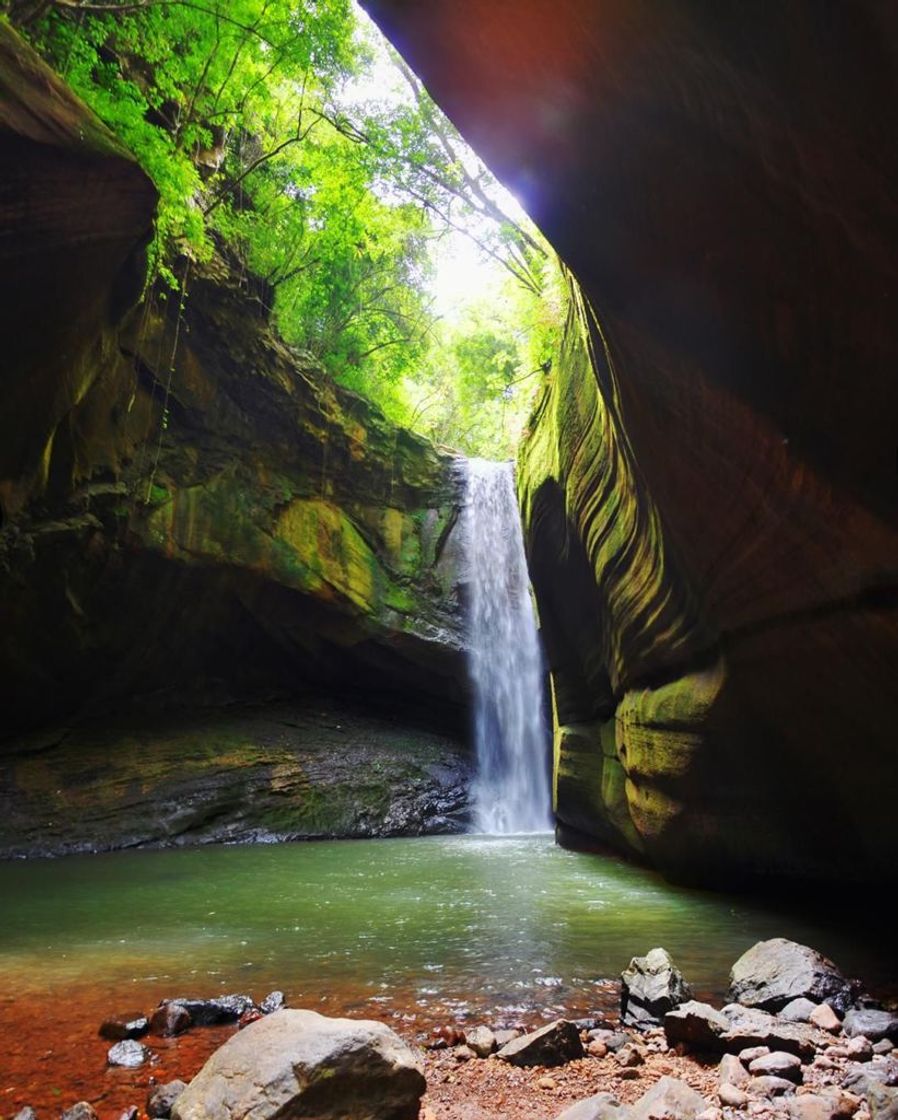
597, 1049
731, 1096
628, 1073
130, 1113
825, 1018
770, 1086
631, 1055
546, 1083
710, 1113
752, 1052
884, 1046
80, 1111
129, 1054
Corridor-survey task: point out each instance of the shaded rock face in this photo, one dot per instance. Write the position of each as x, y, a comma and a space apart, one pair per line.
279, 772
709, 484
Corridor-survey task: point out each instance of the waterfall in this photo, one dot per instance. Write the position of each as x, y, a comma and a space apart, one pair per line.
511, 790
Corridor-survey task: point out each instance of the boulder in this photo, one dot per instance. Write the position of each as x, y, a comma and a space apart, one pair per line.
697, 1025
552, 1045
603, 1106
481, 1040
773, 973
124, 1026
274, 1001
668, 1099
883, 1102
777, 1064
80, 1111
650, 987
731, 1071
161, 1100
212, 1012
129, 1053
302, 1063
871, 1024
170, 1019
750, 1027
800, 1010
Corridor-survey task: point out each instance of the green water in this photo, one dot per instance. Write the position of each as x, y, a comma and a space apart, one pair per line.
427, 927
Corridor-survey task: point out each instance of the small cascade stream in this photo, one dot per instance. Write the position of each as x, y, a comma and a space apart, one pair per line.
511, 791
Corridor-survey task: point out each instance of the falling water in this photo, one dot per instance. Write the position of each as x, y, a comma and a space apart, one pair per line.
511, 791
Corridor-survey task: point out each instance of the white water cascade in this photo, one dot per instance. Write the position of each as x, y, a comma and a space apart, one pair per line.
511, 790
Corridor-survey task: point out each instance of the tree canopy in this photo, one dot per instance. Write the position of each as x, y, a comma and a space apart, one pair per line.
288, 132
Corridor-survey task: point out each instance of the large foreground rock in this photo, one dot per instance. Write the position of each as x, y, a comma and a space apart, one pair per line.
300, 1063
773, 973
668, 1099
650, 987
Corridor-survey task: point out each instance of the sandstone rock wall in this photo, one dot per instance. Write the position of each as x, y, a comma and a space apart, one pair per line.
710, 485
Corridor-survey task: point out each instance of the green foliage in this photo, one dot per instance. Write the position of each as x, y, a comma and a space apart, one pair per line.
248, 117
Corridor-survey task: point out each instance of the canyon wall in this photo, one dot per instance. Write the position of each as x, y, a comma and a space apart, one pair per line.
709, 484
195, 517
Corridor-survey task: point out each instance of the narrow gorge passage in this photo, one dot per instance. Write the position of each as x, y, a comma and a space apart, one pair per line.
511, 789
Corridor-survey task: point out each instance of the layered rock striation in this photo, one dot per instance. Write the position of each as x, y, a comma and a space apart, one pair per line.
709, 483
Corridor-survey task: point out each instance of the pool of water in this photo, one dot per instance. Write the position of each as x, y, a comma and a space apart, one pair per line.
430, 928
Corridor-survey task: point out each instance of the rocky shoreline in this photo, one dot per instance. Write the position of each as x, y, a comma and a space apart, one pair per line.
797, 1041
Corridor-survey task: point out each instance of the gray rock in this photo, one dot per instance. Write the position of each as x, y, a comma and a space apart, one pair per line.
603, 1106
553, 1045
858, 1049
748, 1027
884, 1046
274, 1001
129, 1053
697, 1025
883, 1103
731, 1071
130, 1113
616, 1040
294, 1063
80, 1111
863, 1079
773, 973
777, 1064
162, 1099
631, 1056
822, 1106
170, 1019
503, 1037
825, 1018
871, 1024
650, 987
799, 1010
481, 1040
770, 1086
668, 1099
751, 1052
731, 1096
26, 1113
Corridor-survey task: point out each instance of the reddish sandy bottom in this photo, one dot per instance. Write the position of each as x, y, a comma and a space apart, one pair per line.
52, 1056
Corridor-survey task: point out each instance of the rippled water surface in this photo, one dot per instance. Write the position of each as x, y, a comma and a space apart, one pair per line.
428, 927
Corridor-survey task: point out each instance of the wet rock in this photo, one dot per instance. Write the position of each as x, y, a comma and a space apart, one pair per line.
770, 1086
603, 1106
481, 1040
552, 1045
129, 1053
212, 1012
773, 973
80, 1111
26, 1113
825, 1018
668, 1099
124, 1026
250, 1016
732, 1096
777, 1064
170, 1019
749, 1026
871, 1024
650, 987
162, 1099
132, 1112
731, 1071
799, 1010
883, 1102
274, 1001
697, 1025
303, 1063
